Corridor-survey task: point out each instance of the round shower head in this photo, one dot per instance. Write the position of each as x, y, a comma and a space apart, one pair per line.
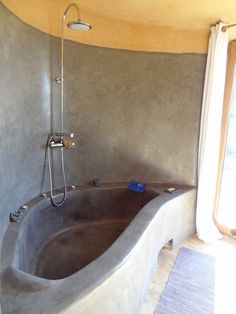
79, 26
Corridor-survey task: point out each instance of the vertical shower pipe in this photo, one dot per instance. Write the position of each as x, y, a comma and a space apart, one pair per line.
62, 60
61, 113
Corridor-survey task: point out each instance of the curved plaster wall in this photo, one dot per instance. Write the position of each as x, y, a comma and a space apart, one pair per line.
134, 114
163, 25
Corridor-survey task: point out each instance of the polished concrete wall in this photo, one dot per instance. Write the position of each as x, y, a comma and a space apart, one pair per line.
24, 111
134, 114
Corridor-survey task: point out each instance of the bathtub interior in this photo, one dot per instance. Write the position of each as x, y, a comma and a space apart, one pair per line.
53, 243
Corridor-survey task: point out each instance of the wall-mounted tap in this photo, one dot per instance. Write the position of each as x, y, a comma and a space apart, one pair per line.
61, 140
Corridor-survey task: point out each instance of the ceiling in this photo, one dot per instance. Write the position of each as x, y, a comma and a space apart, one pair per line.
144, 25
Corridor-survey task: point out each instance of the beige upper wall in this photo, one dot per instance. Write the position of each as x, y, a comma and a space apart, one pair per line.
164, 25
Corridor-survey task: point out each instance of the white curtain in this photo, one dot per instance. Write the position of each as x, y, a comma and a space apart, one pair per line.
209, 142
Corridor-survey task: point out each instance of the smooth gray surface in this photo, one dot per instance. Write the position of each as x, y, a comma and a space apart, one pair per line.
24, 112
134, 114
191, 285
85, 216
125, 268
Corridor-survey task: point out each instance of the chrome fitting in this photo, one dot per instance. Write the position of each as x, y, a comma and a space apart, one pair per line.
16, 216
55, 144
58, 80
71, 135
97, 182
24, 207
59, 140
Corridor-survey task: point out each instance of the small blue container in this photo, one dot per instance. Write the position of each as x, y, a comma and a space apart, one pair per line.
136, 186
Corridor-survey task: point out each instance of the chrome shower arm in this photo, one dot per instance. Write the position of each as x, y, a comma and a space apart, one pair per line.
68, 8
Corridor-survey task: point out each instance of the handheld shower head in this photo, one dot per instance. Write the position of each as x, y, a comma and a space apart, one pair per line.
79, 26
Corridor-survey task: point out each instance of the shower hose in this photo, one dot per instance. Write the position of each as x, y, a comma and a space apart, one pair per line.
52, 196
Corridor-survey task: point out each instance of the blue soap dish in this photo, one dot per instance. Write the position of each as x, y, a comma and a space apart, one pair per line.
137, 186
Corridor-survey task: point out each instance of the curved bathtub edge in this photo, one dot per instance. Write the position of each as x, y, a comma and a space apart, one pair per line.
77, 293
17, 280
131, 277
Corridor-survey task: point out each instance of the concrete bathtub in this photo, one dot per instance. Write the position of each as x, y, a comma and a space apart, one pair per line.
96, 253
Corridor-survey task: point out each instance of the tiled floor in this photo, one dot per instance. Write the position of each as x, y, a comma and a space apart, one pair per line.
225, 253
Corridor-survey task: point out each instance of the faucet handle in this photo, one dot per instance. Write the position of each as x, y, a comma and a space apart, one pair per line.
68, 144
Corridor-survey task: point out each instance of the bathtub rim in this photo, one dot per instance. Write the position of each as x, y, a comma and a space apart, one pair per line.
37, 203
85, 283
